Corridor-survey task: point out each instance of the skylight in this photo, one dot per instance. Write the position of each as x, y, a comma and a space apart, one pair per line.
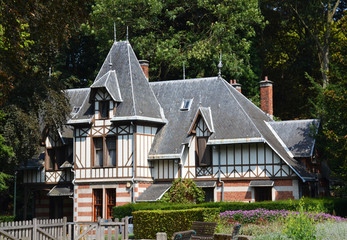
186, 103
75, 109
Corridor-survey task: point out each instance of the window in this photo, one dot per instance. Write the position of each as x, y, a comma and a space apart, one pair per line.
51, 159
204, 152
104, 107
97, 201
203, 157
186, 104
105, 157
111, 202
262, 194
111, 148
98, 152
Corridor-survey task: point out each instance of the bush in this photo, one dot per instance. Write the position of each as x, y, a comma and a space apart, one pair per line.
148, 223
7, 218
184, 191
334, 206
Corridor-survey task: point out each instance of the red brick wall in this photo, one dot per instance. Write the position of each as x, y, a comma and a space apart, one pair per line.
283, 195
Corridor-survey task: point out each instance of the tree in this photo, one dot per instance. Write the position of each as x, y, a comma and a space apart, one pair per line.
170, 33
317, 17
184, 191
31, 37
330, 105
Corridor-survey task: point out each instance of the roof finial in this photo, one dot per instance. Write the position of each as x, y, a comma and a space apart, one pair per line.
220, 65
114, 31
127, 33
184, 71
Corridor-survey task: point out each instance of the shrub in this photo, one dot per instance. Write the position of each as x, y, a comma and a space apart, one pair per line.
148, 223
334, 206
184, 191
300, 227
7, 218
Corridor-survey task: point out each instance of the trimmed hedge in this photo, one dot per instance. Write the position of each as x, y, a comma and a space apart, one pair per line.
335, 206
7, 218
148, 223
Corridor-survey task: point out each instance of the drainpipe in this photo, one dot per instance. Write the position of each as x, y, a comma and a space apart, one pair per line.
74, 176
73, 195
133, 167
219, 175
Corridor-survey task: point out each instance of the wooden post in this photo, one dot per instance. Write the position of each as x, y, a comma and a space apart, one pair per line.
35, 235
126, 227
69, 232
123, 230
101, 229
64, 228
161, 236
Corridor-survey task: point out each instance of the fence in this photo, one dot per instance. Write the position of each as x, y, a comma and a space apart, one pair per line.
60, 229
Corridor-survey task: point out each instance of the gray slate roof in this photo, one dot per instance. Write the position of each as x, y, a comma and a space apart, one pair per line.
298, 135
137, 100
235, 118
229, 120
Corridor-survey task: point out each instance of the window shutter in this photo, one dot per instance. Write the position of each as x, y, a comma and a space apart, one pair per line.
204, 152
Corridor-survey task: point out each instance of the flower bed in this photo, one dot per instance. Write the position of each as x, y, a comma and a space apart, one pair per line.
262, 215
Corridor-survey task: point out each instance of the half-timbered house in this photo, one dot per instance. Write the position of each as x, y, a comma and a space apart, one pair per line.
127, 139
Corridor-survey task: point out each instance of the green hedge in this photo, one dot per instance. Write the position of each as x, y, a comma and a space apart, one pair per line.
7, 218
148, 223
329, 205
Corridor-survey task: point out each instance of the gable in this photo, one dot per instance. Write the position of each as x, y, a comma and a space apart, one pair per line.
202, 124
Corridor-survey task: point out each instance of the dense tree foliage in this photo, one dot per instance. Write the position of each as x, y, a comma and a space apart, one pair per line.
170, 33
31, 37
330, 104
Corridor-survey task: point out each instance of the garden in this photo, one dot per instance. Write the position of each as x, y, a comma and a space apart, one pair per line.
282, 224
304, 219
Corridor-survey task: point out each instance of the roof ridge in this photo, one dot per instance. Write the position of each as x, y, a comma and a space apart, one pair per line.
298, 120
184, 80
76, 89
131, 79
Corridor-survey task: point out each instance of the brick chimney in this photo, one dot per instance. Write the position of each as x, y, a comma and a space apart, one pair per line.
145, 67
235, 85
266, 100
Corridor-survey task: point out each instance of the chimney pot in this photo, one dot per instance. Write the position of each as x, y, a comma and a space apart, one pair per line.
236, 85
145, 67
266, 96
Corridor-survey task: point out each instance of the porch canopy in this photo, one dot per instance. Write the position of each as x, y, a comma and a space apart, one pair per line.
60, 191
154, 192
261, 183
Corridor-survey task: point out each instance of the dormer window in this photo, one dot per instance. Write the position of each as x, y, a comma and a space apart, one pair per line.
104, 107
186, 103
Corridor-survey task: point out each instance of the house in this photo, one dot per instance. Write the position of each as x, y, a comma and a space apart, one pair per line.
127, 139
